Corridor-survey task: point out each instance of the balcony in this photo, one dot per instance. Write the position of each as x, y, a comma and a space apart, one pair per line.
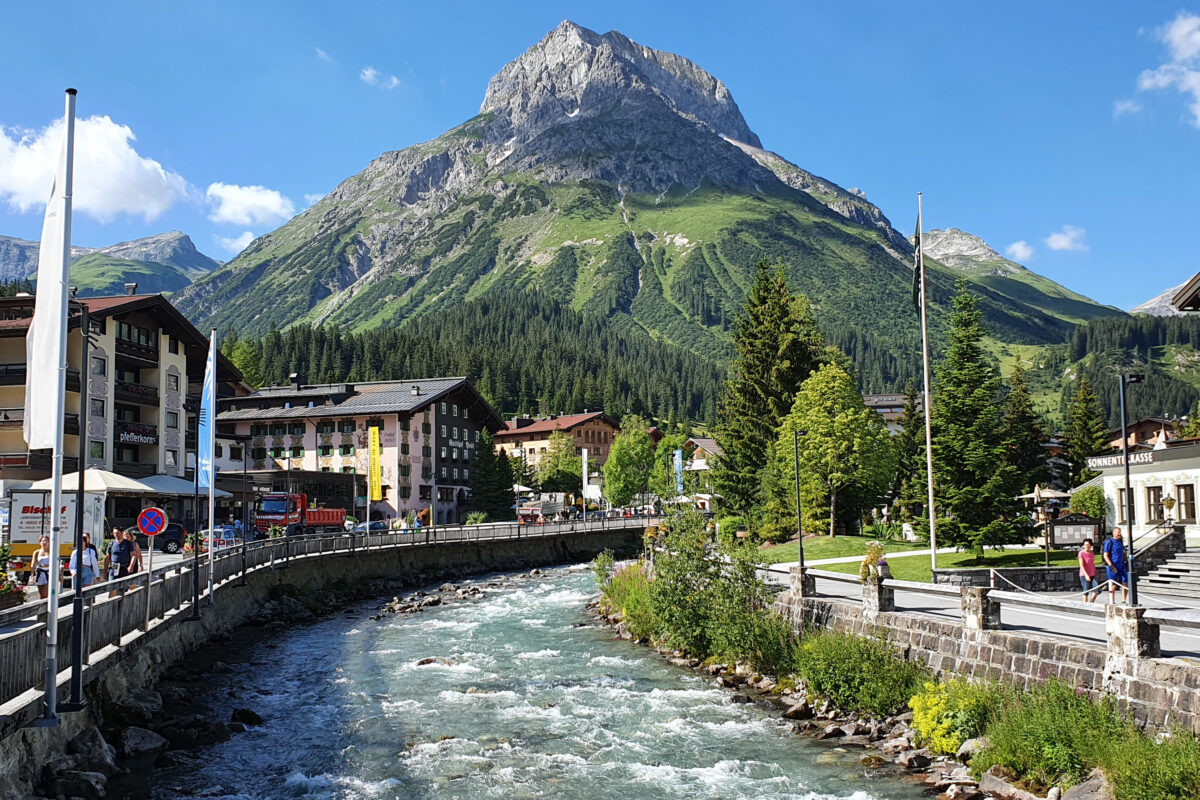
137, 433
135, 469
130, 392
14, 375
14, 418
139, 352
39, 460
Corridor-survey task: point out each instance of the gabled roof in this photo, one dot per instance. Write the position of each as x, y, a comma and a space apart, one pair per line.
707, 445
548, 425
1188, 296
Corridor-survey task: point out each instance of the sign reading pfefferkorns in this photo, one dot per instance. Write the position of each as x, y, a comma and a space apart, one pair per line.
152, 521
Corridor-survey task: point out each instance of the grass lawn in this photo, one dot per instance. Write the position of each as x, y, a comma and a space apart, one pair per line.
916, 568
830, 547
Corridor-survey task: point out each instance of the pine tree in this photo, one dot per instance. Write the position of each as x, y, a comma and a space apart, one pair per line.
908, 490
966, 418
491, 481
1023, 436
1085, 432
777, 346
627, 468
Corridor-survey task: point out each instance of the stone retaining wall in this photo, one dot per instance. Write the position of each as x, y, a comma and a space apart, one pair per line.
1156, 692
1033, 579
142, 661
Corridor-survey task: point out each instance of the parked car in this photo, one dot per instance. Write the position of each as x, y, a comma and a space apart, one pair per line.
377, 526
169, 541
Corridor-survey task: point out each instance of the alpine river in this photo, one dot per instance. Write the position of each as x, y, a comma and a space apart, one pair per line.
521, 702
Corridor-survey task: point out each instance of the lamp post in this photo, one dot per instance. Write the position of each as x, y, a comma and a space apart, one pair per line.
799, 525
1123, 381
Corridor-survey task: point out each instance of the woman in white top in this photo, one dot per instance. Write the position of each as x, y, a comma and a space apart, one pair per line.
90, 566
41, 567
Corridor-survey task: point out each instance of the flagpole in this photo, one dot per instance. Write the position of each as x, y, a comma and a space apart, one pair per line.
210, 382
920, 266
62, 265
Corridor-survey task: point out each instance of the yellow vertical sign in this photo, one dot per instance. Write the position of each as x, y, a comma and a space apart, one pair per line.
375, 467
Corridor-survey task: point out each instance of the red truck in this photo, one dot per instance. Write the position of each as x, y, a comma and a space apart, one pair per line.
292, 513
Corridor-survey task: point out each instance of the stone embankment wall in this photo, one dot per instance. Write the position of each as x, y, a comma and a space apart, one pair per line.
1033, 579
142, 661
1157, 692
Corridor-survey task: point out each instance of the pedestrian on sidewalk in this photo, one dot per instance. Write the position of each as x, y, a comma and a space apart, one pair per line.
122, 556
84, 566
1118, 571
41, 567
1087, 572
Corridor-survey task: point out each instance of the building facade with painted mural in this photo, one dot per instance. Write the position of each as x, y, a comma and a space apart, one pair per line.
428, 429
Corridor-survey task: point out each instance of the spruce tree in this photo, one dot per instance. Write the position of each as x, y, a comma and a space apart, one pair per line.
1085, 432
491, 481
908, 490
966, 417
1023, 435
777, 345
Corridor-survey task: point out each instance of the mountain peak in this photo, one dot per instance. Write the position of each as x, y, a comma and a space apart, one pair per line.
574, 71
174, 248
956, 248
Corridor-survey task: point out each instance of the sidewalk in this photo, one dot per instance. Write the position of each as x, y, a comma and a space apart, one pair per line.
785, 565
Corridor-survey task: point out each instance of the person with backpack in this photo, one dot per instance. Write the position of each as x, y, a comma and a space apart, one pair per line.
1117, 566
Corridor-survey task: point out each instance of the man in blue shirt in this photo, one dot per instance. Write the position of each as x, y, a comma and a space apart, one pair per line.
1114, 561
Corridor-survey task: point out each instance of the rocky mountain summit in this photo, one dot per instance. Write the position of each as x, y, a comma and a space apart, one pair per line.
19, 257
174, 248
958, 249
1160, 304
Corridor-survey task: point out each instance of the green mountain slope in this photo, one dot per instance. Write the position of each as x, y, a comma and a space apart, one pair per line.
101, 274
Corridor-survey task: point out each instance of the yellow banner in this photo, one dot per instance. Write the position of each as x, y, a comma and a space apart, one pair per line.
375, 467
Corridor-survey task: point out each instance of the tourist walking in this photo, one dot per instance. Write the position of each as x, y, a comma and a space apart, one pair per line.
84, 566
41, 567
135, 559
110, 557
122, 556
1087, 572
1118, 571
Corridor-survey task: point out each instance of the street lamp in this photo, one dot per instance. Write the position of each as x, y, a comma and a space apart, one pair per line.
799, 525
1123, 381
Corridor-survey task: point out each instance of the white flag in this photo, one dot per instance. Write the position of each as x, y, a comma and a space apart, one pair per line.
46, 342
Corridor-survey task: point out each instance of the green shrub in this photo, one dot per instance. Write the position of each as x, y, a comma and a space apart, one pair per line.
729, 526
1139, 769
858, 673
628, 591
477, 518
885, 531
947, 714
681, 594
742, 626
603, 566
1090, 501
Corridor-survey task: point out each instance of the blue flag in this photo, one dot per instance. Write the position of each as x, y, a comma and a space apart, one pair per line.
208, 418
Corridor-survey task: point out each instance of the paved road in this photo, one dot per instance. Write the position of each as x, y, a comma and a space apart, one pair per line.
1175, 640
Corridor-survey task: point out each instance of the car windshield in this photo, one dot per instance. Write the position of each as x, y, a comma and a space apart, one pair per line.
279, 506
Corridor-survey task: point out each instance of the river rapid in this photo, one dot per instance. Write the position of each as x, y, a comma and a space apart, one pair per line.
521, 701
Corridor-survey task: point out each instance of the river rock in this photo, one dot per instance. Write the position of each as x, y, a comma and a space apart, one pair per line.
139, 742
855, 741
97, 754
872, 761
855, 728
968, 749
137, 707
1094, 788
831, 731
800, 710
426, 661
246, 716
994, 783
448, 587
914, 759
895, 746
78, 783
740, 699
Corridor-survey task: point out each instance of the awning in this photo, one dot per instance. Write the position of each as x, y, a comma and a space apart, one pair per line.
177, 487
96, 480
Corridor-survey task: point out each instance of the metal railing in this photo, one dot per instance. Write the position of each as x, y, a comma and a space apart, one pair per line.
118, 611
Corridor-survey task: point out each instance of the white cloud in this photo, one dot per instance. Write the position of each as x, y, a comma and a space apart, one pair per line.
312, 199
1123, 107
392, 82
321, 54
247, 205
234, 244
1069, 238
1019, 251
111, 177
369, 76
1182, 71
373, 77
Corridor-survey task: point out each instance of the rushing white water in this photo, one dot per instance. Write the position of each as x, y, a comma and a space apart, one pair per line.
520, 703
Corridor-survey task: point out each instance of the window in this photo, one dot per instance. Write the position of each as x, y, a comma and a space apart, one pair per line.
258, 453
296, 429
476, 436
172, 419
466, 474
443, 431
347, 470
257, 430
278, 429
405, 470
346, 426
325, 426
406, 491
297, 451
403, 423
325, 450
235, 452
173, 383
376, 422
464, 413
443, 452
276, 452
426, 451
1122, 511
173, 346
425, 492
456, 473
443, 472
454, 453
326, 469
346, 450
96, 451
172, 458
454, 432
404, 448
220, 450
96, 408
443, 411
426, 428
1185, 508
426, 472
99, 366
1154, 506
454, 410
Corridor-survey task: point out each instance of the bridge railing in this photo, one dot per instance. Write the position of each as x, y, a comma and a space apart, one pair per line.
117, 611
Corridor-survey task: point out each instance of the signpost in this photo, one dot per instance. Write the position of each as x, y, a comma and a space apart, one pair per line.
151, 522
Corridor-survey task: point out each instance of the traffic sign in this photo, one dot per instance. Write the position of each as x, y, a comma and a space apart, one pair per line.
152, 521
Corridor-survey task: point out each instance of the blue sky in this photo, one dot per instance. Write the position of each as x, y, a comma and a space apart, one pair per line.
1073, 128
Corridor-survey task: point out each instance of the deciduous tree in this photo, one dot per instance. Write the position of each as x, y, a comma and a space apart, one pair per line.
561, 468
627, 469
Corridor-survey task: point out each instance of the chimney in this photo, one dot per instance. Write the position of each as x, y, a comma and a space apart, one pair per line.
416, 390
130, 289
295, 380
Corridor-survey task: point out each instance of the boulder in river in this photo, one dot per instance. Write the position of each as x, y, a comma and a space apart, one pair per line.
246, 716
139, 742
